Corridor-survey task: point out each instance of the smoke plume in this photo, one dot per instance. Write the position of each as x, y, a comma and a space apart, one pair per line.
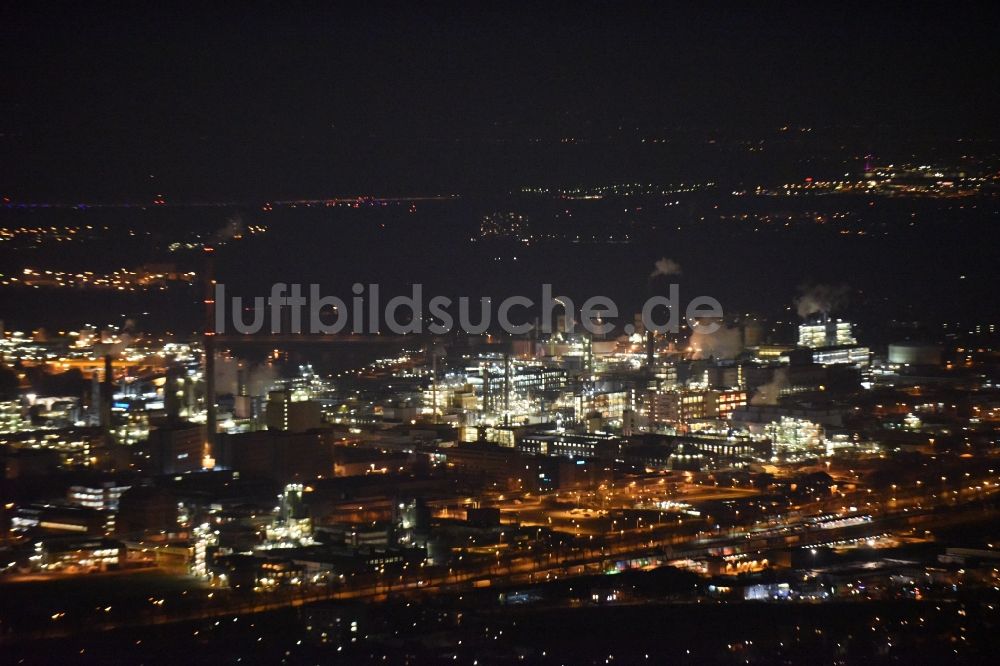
232, 229
768, 394
260, 378
724, 342
664, 266
114, 344
820, 298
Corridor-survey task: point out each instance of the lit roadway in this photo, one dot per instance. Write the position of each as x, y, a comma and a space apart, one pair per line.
915, 511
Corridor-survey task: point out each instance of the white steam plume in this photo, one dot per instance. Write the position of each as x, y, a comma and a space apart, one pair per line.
664, 266
820, 298
768, 394
724, 343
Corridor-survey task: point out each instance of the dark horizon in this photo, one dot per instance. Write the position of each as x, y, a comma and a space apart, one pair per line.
266, 101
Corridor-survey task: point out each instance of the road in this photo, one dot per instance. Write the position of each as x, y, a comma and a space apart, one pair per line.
593, 556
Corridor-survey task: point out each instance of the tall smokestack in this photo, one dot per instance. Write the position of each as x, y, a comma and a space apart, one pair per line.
506, 387
209, 343
649, 349
96, 400
434, 385
241, 379
107, 391
171, 402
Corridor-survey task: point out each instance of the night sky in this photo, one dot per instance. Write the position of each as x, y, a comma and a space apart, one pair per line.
264, 99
